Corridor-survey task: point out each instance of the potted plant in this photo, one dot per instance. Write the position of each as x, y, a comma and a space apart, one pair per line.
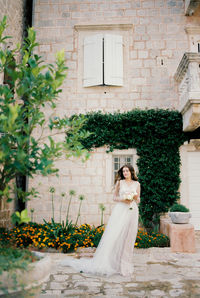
179, 214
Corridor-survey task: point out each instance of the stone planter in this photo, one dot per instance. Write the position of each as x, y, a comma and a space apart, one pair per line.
180, 217
29, 282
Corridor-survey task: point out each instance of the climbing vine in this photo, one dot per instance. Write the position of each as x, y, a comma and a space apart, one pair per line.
157, 136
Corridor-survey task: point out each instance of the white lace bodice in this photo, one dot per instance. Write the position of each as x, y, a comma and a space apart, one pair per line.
127, 188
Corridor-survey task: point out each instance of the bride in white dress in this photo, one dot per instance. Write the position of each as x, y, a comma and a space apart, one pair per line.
114, 253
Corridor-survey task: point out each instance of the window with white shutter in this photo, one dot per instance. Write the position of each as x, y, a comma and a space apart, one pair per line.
113, 60
103, 60
93, 57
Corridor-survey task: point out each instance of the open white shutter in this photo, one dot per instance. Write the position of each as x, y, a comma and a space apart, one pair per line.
93, 60
113, 60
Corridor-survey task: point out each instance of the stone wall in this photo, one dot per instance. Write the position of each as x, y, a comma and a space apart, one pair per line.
13, 9
154, 43
92, 179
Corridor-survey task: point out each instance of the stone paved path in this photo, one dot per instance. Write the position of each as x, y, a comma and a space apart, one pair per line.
158, 273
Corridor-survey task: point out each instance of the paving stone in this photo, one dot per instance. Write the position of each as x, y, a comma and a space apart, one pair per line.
51, 292
56, 285
113, 292
87, 284
131, 285
157, 293
78, 277
118, 279
113, 286
60, 277
64, 270
73, 292
176, 293
157, 273
137, 294
177, 285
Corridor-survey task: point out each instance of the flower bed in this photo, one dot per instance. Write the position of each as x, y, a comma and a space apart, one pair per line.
65, 239
42, 236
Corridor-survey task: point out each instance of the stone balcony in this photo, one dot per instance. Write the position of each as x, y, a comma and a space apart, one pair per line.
188, 79
191, 6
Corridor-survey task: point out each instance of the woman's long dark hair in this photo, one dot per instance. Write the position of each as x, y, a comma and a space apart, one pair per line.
120, 175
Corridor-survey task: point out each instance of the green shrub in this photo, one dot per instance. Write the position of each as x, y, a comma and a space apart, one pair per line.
145, 240
179, 208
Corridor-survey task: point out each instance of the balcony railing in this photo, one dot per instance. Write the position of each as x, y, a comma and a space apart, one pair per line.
188, 78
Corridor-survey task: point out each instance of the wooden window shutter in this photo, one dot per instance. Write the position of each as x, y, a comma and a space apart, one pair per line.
113, 60
93, 60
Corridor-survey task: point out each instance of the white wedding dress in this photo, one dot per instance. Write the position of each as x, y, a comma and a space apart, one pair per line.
114, 253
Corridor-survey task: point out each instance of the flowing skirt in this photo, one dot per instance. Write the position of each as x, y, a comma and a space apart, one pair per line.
114, 253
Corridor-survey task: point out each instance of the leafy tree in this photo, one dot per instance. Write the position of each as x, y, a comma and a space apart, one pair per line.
31, 86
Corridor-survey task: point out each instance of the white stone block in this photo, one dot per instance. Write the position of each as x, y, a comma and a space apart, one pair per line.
139, 81
93, 209
136, 63
139, 45
152, 28
92, 103
149, 63
142, 54
97, 180
44, 48
170, 44
133, 54
134, 96
85, 180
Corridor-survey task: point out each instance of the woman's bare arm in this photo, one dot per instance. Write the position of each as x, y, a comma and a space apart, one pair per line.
137, 196
116, 197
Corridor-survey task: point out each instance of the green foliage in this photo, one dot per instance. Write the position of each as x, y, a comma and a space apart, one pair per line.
157, 136
81, 198
146, 240
179, 208
19, 218
102, 209
33, 87
12, 259
61, 200
57, 229
52, 191
72, 193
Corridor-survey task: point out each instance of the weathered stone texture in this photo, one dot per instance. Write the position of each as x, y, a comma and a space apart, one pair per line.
14, 12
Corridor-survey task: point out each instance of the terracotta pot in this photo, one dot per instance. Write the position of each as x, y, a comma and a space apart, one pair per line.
29, 282
180, 217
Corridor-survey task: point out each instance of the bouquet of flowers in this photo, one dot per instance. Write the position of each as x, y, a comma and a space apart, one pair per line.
129, 196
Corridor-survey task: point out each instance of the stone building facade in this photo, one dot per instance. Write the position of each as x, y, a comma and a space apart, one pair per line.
147, 39
155, 35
